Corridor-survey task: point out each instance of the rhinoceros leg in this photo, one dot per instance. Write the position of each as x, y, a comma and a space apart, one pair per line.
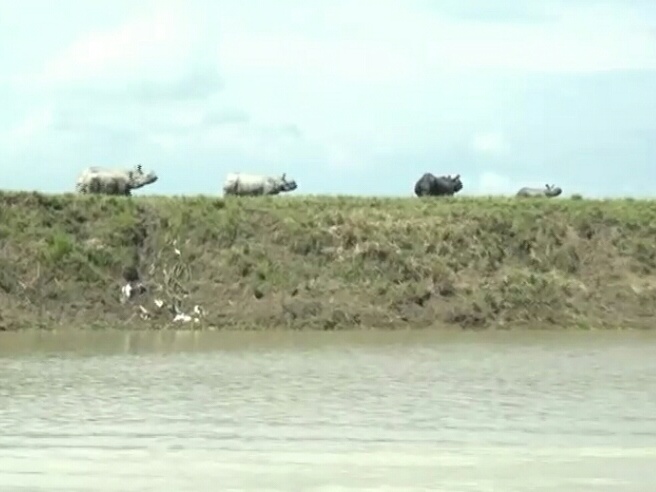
95, 185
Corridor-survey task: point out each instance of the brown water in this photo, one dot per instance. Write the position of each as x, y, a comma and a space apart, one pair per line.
327, 412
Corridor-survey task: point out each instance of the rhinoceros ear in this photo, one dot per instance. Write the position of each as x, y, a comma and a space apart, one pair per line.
284, 175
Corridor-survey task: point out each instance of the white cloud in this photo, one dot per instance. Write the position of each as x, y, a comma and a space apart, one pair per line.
490, 183
341, 157
399, 44
406, 44
152, 46
490, 143
369, 71
34, 124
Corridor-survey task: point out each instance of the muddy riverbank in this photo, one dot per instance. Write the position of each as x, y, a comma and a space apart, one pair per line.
325, 263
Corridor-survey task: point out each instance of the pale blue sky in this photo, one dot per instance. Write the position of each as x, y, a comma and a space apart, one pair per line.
357, 97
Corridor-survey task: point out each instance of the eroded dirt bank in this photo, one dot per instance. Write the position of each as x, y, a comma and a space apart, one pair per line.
326, 263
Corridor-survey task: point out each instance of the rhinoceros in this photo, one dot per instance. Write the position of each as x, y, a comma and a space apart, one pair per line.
548, 191
241, 184
100, 180
431, 185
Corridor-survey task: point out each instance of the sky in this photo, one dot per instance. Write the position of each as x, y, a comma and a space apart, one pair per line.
347, 97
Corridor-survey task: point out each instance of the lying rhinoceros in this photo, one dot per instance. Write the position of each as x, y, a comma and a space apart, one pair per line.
548, 191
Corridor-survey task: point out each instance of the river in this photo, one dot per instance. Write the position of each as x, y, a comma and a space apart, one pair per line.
366, 411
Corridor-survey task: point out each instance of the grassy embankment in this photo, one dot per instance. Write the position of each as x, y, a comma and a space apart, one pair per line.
328, 263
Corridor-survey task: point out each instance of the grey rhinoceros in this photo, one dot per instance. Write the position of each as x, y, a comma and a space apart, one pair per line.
241, 184
100, 180
548, 191
431, 185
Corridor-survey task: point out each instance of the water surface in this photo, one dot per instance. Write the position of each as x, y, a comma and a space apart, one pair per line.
389, 411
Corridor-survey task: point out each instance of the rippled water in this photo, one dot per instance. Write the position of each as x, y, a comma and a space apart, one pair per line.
339, 411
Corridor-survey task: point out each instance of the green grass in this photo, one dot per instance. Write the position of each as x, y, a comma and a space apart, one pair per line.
298, 262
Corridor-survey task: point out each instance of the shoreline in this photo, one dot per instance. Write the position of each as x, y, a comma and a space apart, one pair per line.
116, 342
